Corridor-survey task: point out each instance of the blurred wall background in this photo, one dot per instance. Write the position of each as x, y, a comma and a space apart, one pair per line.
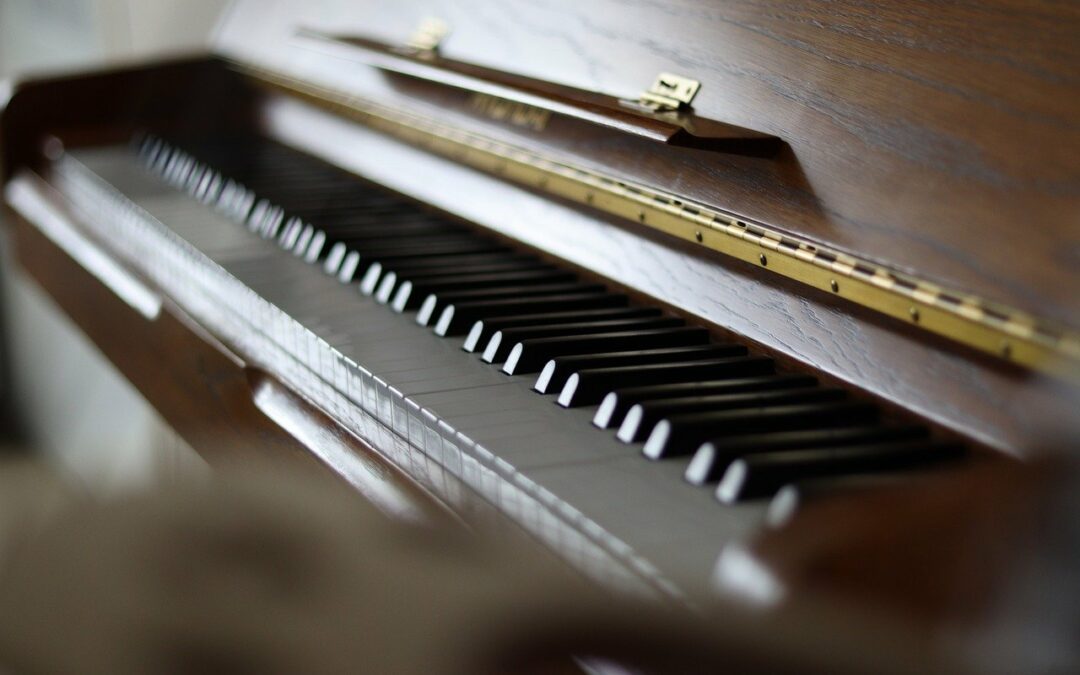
45, 35
69, 406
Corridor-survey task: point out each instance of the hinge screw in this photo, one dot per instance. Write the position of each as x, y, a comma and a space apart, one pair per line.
764, 260
914, 312
698, 235
834, 286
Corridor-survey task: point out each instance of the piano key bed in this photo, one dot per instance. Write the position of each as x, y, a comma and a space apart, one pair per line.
611, 430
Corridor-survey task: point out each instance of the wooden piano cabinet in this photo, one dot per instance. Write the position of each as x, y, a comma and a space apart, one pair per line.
995, 402
181, 95
228, 410
999, 404
939, 137
933, 139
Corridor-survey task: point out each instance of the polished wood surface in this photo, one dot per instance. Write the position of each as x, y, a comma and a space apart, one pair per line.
996, 403
936, 137
208, 394
915, 138
1002, 406
949, 549
679, 127
183, 95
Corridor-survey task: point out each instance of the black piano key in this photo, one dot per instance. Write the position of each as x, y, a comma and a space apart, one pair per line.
392, 278
615, 404
391, 241
364, 211
275, 172
387, 234
529, 356
410, 293
433, 305
681, 435
320, 196
482, 330
346, 218
502, 341
403, 245
762, 474
342, 211
393, 281
556, 371
361, 261
307, 186
394, 247
490, 262
457, 317
712, 458
641, 418
588, 387
361, 218
337, 252
309, 189
356, 262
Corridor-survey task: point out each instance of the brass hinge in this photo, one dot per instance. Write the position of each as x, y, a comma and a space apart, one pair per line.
429, 35
669, 92
990, 327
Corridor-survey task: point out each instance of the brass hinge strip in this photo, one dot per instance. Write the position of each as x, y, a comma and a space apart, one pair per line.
990, 327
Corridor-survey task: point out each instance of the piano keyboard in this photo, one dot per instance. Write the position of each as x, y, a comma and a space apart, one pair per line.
662, 439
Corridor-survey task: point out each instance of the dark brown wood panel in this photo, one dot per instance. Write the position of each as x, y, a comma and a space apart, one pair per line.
999, 404
937, 136
109, 105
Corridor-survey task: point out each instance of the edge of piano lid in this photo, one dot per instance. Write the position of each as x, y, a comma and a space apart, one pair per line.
836, 253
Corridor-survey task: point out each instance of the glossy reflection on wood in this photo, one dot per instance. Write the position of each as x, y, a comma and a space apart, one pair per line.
944, 548
935, 136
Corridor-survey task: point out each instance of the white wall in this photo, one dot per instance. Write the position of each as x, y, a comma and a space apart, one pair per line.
43, 35
82, 415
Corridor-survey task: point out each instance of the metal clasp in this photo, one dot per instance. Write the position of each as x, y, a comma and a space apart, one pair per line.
429, 35
669, 92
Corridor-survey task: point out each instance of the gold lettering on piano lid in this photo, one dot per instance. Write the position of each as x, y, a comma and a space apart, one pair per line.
502, 110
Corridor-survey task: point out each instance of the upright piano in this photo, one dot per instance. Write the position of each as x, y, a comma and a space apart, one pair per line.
648, 281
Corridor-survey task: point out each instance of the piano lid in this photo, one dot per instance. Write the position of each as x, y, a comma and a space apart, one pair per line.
936, 145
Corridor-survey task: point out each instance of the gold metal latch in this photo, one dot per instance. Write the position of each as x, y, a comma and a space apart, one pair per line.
429, 35
669, 92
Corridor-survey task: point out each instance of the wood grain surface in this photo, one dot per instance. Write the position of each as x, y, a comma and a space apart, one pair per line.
939, 137
936, 137
995, 403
